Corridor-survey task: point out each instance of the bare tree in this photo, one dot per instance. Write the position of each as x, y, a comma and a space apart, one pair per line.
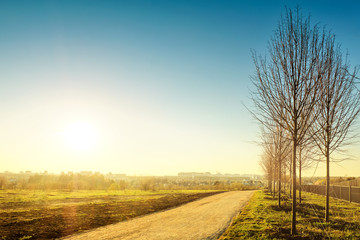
287, 86
306, 159
282, 154
269, 145
338, 109
279, 149
267, 166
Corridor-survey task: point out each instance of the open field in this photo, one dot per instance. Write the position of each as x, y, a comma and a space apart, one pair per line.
262, 219
206, 218
28, 214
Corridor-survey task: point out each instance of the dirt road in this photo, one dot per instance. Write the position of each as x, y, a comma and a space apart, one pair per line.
206, 218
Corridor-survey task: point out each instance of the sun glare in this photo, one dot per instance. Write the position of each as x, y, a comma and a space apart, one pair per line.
80, 136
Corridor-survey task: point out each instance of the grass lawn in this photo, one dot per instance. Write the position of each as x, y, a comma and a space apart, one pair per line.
26, 214
262, 219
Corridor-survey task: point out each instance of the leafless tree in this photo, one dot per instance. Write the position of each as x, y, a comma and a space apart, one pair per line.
281, 150
307, 158
288, 85
266, 164
339, 107
270, 158
282, 154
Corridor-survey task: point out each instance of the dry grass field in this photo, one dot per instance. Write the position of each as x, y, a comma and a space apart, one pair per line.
26, 214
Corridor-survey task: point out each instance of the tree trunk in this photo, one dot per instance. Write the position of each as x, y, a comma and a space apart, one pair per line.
327, 183
279, 181
293, 222
274, 179
290, 185
279, 185
349, 191
300, 174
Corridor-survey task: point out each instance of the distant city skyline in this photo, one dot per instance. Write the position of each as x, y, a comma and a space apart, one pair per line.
143, 87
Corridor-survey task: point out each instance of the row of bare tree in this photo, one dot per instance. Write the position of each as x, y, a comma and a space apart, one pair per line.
305, 98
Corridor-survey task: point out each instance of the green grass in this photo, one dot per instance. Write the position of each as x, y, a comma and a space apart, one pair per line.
262, 219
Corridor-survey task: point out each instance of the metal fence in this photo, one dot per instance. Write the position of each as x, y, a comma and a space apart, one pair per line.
353, 182
348, 193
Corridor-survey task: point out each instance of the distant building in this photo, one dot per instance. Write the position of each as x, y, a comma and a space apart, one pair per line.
249, 182
115, 176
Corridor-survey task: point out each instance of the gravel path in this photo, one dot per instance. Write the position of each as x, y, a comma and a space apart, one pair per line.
206, 218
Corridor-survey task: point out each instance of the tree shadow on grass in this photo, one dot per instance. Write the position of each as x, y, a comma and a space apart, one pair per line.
342, 225
281, 232
269, 198
284, 207
312, 216
306, 206
306, 209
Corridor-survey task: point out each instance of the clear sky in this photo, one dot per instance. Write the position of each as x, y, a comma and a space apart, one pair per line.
141, 87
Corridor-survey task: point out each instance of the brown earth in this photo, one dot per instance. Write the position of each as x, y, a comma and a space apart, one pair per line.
206, 218
55, 219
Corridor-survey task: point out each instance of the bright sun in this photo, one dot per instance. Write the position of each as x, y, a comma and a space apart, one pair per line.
80, 136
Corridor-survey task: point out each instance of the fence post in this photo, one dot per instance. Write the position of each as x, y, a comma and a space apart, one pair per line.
340, 192
349, 191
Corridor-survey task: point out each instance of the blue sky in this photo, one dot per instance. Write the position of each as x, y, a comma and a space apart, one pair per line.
163, 83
